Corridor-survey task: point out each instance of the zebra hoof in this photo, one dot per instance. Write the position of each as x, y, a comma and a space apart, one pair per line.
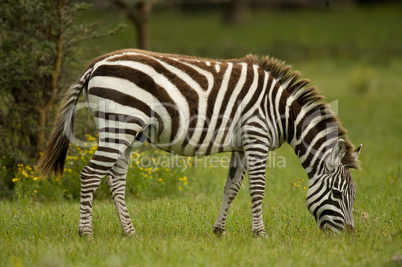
85, 234
130, 235
260, 234
219, 231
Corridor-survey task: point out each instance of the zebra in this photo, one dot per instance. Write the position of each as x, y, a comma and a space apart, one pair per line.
197, 106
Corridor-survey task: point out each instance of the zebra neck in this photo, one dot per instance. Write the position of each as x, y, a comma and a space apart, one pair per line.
311, 137
279, 114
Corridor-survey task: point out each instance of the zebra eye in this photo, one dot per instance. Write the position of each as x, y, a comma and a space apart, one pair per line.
336, 193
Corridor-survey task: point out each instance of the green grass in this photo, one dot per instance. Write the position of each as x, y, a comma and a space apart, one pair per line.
177, 232
354, 58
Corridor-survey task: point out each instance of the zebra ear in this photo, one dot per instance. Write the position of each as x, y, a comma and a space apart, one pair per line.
337, 153
357, 151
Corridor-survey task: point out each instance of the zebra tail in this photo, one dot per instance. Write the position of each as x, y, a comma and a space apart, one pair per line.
53, 158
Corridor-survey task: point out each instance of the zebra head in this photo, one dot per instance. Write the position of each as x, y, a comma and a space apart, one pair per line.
331, 192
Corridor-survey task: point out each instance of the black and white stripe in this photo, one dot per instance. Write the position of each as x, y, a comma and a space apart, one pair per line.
192, 106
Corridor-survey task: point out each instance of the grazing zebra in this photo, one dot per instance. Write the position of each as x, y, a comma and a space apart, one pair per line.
192, 106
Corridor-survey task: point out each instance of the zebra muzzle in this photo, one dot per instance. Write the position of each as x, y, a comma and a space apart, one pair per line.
350, 228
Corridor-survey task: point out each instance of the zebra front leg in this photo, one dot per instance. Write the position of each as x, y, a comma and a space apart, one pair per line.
256, 173
116, 181
233, 183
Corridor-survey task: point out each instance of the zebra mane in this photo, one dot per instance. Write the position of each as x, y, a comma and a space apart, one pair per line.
306, 96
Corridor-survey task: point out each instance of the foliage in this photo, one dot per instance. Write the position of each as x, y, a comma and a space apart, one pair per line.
36, 37
152, 173
39, 48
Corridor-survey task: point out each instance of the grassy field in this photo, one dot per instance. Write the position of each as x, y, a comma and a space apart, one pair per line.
177, 232
364, 35
354, 57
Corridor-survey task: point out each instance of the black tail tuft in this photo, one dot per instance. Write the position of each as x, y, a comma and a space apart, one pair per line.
54, 156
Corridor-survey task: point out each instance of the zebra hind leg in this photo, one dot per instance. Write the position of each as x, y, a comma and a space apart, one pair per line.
116, 181
98, 167
233, 183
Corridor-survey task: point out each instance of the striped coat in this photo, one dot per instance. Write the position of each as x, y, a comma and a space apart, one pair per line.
193, 107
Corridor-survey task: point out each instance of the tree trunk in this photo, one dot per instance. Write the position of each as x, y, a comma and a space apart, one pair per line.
44, 110
143, 35
236, 11
40, 137
139, 15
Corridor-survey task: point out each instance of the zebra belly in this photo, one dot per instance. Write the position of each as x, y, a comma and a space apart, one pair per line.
198, 143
